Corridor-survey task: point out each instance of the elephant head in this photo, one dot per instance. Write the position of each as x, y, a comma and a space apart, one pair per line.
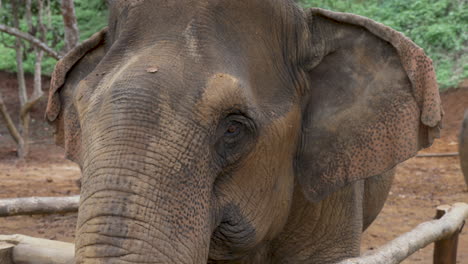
201, 127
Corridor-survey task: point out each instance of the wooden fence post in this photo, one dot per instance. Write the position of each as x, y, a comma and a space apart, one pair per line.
31, 250
6, 253
445, 250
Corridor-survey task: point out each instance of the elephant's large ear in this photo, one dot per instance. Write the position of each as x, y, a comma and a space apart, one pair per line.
68, 72
374, 102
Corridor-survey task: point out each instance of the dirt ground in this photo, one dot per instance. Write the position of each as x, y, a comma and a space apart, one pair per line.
421, 183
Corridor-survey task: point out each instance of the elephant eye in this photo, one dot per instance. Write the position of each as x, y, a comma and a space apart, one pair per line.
234, 137
233, 129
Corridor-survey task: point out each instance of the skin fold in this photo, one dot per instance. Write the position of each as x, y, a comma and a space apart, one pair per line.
217, 131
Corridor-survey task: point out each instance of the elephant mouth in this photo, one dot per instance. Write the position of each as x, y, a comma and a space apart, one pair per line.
234, 237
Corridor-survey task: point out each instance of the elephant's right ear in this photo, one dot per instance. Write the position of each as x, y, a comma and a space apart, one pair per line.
373, 102
68, 72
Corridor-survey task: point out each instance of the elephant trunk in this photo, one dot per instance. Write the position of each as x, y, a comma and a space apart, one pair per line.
144, 200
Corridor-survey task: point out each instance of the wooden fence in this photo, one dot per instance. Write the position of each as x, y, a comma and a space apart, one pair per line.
443, 231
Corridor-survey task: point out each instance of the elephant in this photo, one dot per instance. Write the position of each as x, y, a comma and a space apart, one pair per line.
249, 131
463, 147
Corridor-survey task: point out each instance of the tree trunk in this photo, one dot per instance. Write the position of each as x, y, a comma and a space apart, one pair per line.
21, 133
463, 147
28, 15
9, 122
22, 93
72, 35
37, 92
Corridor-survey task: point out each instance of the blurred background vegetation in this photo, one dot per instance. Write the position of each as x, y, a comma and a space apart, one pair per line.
91, 16
438, 26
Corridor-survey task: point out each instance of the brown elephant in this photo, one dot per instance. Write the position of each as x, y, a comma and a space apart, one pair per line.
463, 147
216, 131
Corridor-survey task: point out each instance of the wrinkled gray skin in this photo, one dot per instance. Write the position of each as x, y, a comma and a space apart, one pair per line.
216, 131
463, 147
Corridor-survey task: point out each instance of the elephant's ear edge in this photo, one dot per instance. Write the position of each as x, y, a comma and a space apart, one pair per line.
63, 66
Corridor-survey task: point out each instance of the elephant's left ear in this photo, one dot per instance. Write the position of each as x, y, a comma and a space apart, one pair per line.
68, 72
374, 102
64, 66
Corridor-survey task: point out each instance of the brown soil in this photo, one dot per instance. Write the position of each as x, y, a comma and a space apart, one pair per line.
421, 183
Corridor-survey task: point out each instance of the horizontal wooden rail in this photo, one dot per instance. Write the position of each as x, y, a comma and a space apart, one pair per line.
23, 249
38, 205
403, 246
437, 155
30, 250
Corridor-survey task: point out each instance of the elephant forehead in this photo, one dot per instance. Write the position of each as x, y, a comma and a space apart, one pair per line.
186, 43
222, 92
204, 22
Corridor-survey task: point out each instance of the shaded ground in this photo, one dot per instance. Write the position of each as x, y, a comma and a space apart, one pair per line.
420, 185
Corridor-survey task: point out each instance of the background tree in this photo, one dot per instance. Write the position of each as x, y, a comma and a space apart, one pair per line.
32, 29
72, 34
20, 9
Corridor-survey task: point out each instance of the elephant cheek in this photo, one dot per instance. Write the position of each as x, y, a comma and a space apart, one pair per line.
268, 176
258, 195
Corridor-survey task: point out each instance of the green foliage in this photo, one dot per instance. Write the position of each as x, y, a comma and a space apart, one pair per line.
438, 26
91, 16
